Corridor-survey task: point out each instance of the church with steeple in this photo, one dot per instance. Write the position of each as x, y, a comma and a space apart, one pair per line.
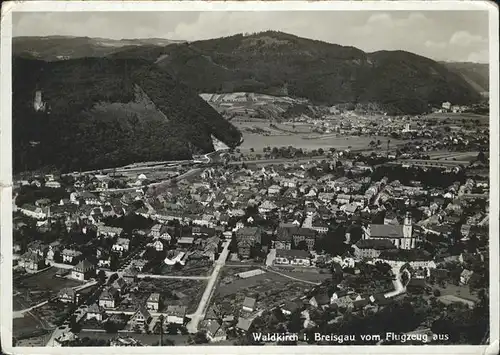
400, 235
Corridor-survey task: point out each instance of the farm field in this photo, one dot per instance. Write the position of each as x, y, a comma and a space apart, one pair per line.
258, 142
459, 291
231, 291
27, 326
40, 340
34, 289
444, 155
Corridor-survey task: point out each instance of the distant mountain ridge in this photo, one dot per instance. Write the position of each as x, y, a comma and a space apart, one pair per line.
93, 113
51, 48
278, 63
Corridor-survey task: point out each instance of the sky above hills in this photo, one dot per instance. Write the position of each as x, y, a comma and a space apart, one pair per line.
460, 36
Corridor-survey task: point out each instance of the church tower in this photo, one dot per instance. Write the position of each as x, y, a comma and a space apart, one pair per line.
408, 240
407, 226
38, 103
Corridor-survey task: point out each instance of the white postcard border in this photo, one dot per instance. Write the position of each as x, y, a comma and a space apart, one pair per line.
115, 6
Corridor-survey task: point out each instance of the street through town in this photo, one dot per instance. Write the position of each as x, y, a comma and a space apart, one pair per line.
198, 316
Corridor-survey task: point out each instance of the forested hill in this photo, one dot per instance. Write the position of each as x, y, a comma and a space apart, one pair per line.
476, 74
52, 48
102, 112
274, 62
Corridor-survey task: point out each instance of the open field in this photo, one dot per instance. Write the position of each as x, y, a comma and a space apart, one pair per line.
457, 116
26, 326
258, 142
446, 155
33, 289
40, 340
53, 312
146, 339
459, 291
231, 291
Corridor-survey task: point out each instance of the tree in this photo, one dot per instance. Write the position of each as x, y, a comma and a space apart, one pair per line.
198, 338
302, 245
295, 324
114, 263
481, 157
101, 276
110, 327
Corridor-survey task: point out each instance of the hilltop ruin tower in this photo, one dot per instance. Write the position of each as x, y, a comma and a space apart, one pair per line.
284, 89
38, 104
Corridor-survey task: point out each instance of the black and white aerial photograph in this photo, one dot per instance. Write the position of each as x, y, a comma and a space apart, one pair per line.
242, 178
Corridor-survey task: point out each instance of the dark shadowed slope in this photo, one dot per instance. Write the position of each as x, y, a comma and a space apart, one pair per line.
103, 112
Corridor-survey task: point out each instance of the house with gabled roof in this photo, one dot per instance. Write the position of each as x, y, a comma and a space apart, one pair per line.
90, 199
215, 331
267, 206
70, 255
320, 300
157, 245
95, 312
244, 324
120, 285
153, 302
176, 314
67, 295
121, 246
371, 248
292, 257
32, 262
107, 231
83, 271
274, 189
140, 319
108, 298
249, 304
291, 306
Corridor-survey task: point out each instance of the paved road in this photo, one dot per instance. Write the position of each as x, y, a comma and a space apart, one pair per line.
20, 314
61, 265
291, 277
65, 328
270, 257
86, 285
198, 316
159, 183
152, 276
431, 163
399, 288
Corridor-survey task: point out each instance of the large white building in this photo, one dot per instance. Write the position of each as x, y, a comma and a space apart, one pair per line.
400, 235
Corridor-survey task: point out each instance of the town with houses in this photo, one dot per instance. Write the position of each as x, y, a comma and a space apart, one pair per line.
239, 244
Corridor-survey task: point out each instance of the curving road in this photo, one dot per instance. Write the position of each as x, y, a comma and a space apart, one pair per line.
399, 288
